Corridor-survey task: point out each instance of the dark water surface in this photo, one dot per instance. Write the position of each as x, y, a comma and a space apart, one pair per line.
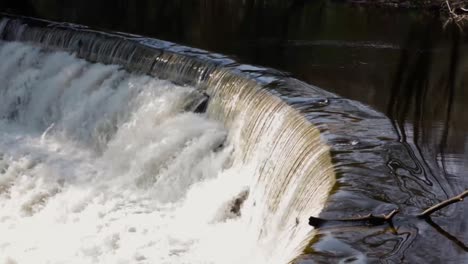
403, 63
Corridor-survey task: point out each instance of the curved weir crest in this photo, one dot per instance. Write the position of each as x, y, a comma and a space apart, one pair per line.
104, 160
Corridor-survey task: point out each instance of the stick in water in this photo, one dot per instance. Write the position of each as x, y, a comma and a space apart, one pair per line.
443, 204
374, 220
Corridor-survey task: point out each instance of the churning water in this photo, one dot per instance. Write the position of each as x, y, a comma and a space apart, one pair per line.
98, 165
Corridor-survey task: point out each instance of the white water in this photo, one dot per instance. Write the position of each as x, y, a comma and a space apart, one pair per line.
101, 166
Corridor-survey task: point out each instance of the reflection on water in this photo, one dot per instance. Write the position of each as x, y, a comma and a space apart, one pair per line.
402, 63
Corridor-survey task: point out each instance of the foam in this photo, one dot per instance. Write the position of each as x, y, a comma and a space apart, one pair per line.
103, 166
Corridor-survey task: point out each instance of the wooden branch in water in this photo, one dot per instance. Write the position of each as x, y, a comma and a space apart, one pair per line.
443, 204
373, 220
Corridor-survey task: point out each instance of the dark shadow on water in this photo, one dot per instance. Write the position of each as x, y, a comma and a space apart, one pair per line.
403, 63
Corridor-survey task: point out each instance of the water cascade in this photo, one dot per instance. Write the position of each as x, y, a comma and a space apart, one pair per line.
107, 157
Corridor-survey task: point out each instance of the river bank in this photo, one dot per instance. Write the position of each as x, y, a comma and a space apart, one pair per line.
458, 6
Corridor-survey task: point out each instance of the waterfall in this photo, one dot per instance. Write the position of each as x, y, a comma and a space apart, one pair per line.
104, 157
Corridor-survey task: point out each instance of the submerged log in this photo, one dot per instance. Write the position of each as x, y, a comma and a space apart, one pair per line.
375, 220
370, 219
